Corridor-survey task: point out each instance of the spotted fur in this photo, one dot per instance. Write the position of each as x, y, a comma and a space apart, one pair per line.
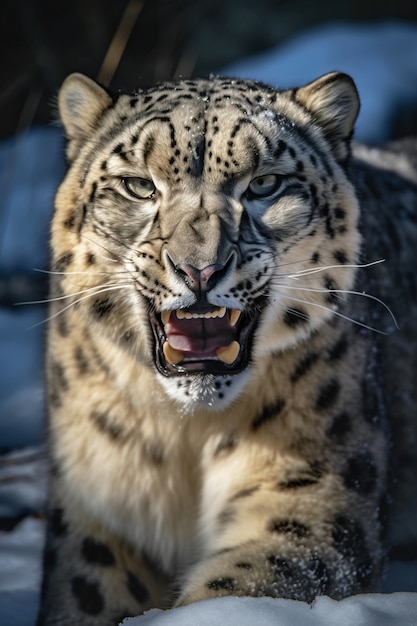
250, 456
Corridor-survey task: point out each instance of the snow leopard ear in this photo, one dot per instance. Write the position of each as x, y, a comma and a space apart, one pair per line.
333, 101
81, 103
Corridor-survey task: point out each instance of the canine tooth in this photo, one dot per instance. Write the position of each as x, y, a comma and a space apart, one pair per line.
234, 316
228, 354
172, 355
221, 312
165, 315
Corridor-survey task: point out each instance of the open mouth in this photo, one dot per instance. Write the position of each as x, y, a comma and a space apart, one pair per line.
203, 339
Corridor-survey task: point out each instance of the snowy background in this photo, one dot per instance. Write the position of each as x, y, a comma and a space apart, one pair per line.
382, 59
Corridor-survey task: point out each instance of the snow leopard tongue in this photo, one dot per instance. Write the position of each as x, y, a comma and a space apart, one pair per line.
200, 336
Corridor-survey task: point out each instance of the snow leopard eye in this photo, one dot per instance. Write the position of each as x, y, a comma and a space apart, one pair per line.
263, 186
140, 188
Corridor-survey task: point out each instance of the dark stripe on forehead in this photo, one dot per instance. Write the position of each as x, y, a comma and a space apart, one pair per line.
305, 137
197, 161
110, 134
148, 149
238, 91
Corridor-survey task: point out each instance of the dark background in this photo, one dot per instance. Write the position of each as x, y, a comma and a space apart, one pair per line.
44, 40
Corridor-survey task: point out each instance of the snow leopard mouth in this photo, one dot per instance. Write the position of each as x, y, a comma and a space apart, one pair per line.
203, 340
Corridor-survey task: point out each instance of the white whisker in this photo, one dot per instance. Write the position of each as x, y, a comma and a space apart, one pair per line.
65, 308
334, 312
100, 245
362, 294
87, 273
69, 295
316, 270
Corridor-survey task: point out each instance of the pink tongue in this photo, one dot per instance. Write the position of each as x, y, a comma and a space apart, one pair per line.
202, 336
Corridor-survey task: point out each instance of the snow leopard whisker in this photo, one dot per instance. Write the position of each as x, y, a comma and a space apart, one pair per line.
72, 295
338, 314
100, 245
323, 268
341, 292
85, 297
86, 273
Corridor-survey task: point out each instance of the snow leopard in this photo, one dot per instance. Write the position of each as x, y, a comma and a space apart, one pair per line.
231, 348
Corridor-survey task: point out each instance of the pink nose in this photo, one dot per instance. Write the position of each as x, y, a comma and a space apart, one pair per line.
200, 281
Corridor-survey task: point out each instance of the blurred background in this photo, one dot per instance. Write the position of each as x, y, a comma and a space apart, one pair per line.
132, 43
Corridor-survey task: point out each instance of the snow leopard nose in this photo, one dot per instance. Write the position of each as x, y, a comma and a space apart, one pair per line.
201, 281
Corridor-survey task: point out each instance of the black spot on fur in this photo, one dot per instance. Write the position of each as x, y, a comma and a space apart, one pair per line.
280, 149
280, 565
339, 349
332, 296
339, 213
244, 493
226, 516
101, 307
154, 450
244, 565
341, 257
92, 195
296, 483
63, 262
340, 427
300, 580
96, 552
360, 473
288, 527
69, 223
129, 336
304, 366
295, 317
327, 395
58, 384
309, 477
136, 588
226, 445
107, 426
81, 360
90, 258
148, 148
83, 218
222, 583
62, 324
88, 595
268, 414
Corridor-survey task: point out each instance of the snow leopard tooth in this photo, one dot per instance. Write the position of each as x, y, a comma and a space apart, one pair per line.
172, 355
165, 316
228, 354
234, 316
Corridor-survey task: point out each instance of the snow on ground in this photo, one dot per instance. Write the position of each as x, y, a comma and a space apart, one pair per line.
382, 58
398, 609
